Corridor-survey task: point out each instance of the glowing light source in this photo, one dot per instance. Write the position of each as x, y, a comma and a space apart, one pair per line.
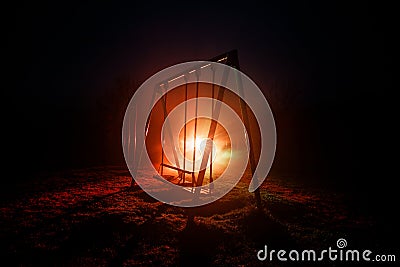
200, 145
221, 150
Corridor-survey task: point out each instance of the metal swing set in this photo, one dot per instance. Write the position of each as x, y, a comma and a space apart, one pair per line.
230, 59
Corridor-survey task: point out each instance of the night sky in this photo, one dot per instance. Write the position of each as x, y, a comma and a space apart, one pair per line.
324, 67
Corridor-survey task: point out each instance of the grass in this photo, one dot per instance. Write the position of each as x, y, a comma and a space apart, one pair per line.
93, 217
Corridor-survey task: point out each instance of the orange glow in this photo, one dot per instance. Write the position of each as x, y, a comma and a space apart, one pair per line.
221, 150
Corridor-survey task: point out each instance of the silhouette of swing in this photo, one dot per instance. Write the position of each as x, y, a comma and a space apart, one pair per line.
230, 59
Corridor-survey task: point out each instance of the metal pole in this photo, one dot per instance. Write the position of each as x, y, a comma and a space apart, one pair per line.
184, 132
195, 125
162, 138
134, 139
211, 133
245, 117
212, 116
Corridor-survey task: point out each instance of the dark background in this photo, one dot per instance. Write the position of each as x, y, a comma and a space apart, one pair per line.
325, 68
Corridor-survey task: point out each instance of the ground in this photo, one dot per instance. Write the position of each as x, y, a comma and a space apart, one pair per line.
94, 217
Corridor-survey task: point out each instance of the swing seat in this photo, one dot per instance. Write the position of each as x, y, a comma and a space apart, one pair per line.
181, 174
185, 188
176, 168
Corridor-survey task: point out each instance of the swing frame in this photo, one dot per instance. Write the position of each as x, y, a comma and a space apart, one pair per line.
231, 59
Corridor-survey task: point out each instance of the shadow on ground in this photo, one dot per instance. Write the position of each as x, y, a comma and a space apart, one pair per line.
103, 221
